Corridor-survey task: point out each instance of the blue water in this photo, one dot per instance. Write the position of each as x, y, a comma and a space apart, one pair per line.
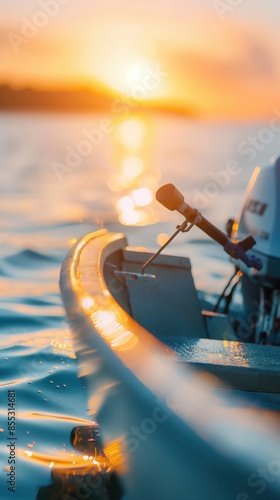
41, 212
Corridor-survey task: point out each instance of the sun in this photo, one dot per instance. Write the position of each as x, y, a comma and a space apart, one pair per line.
135, 74
130, 75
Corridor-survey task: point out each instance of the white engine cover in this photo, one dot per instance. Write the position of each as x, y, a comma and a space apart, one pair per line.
260, 217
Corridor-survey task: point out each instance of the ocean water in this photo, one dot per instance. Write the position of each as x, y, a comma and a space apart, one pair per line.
55, 186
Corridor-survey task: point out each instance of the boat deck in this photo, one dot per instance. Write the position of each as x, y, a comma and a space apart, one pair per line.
247, 367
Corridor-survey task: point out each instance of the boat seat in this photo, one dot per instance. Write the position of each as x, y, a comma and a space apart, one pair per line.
169, 304
247, 367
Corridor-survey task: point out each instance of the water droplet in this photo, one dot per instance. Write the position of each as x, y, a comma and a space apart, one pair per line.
45, 400
51, 381
39, 392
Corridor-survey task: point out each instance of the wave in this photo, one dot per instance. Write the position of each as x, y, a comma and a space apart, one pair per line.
13, 321
29, 258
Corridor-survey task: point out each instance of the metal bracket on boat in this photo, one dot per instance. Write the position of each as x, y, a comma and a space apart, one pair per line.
183, 228
133, 275
129, 274
193, 222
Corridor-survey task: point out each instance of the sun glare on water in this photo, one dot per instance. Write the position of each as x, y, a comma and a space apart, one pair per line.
131, 133
135, 177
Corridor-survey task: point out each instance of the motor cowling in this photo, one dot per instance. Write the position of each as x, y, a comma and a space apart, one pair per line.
260, 217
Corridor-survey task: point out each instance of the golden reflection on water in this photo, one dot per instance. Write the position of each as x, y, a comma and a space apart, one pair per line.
135, 178
62, 459
69, 459
132, 167
63, 348
131, 133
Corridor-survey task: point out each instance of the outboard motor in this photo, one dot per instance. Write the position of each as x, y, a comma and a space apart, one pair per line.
260, 217
257, 226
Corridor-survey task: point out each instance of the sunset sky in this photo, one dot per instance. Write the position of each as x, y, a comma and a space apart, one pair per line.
205, 55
